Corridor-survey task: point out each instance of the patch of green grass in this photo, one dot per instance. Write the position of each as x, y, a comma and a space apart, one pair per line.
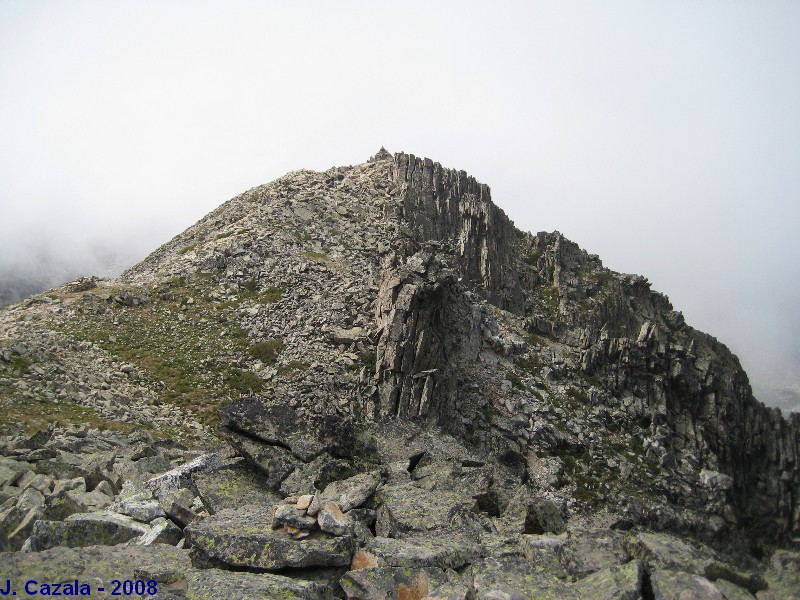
367, 359
250, 291
552, 298
533, 257
534, 339
186, 249
250, 287
29, 416
18, 366
191, 348
267, 351
176, 283
514, 379
271, 295
576, 470
325, 259
532, 364
221, 236
601, 278
292, 365
244, 382
577, 397
594, 380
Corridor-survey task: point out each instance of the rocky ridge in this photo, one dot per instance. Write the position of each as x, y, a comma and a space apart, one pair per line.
444, 406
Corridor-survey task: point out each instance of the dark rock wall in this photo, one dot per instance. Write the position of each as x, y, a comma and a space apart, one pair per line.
688, 388
427, 328
448, 205
695, 395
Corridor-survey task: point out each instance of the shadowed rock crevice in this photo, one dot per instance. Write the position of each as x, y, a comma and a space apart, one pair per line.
427, 329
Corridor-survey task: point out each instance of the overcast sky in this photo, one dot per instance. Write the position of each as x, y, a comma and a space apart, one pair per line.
664, 137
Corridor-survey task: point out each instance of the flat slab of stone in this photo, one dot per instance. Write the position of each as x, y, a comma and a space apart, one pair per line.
576, 555
97, 565
668, 552
444, 551
215, 583
680, 585
244, 538
233, 486
391, 582
517, 578
615, 583
405, 508
86, 529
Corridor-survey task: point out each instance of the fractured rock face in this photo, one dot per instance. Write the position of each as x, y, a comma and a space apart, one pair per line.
427, 326
444, 204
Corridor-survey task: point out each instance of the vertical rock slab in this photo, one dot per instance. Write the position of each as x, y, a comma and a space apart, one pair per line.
450, 206
427, 327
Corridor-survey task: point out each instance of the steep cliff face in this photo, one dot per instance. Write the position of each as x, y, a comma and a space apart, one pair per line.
689, 388
681, 391
428, 329
450, 206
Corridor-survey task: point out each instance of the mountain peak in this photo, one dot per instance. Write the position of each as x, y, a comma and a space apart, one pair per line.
382, 154
385, 329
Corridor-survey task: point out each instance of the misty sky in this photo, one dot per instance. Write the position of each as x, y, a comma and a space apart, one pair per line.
664, 137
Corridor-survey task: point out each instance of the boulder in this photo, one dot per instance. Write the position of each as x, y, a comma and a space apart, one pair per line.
280, 425
144, 510
177, 506
680, 585
98, 564
162, 531
782, 576
615, 583
289, 514
331, 519
243, 538
316, 475
181, 476
86, 529
392, 582
404, 508
274, 462
516, 578
232, 486
215, 583
443, 550
348, 493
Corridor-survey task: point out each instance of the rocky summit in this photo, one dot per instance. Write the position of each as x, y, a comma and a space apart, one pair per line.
367, 383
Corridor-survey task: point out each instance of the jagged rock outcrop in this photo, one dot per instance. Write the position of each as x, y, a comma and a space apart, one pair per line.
687, 388
427, 329
450, 206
